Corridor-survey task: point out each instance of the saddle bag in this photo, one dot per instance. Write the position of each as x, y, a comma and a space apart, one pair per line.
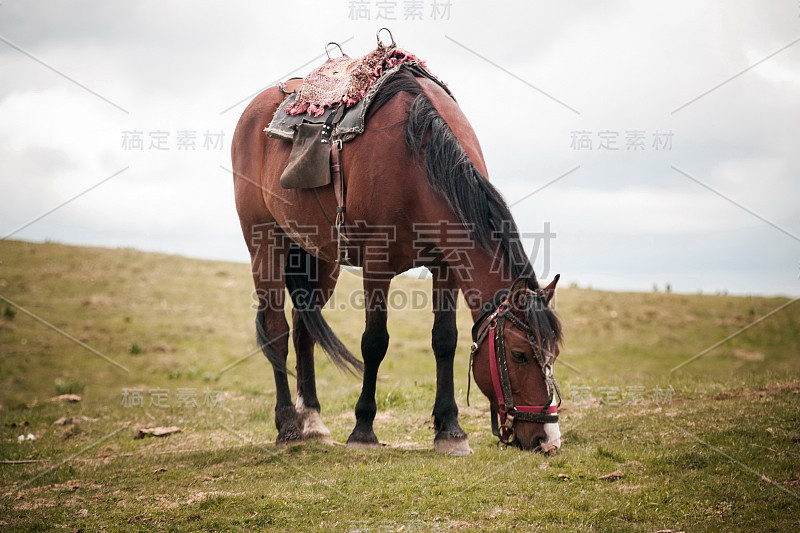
310, 161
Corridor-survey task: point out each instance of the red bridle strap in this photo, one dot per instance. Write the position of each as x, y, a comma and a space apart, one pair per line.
498, 388
503, 411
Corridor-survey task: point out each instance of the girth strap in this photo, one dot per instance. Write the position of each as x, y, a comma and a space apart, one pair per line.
342, 242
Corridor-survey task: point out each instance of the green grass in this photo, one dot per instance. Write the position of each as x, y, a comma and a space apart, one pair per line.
713, 446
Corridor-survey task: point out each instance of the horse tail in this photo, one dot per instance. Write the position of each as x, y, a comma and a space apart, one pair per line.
301, 273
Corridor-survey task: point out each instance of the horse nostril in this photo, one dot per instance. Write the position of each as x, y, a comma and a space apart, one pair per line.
535, 445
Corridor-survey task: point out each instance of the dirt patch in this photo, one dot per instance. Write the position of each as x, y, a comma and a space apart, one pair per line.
67, 421
97, 301
39, 497
68, 398
778, 388
168, 501
157, 432
411, 446
653, 314
790, 386
206, 440
32, 505
745, 355
475, 411
460, 524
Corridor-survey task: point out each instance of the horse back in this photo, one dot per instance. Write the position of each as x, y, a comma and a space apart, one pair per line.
458, 123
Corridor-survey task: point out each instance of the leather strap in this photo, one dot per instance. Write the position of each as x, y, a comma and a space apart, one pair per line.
499, 391
336, 177
337, 180
342, 255
495, 423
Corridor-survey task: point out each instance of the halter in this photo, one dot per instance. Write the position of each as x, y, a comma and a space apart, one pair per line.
507, 411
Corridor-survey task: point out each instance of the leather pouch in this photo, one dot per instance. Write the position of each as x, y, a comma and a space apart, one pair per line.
310, 161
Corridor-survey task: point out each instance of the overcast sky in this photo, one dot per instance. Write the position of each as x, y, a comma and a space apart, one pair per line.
700, 100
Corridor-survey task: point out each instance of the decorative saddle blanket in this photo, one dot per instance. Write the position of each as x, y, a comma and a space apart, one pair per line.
346, 81
343, 82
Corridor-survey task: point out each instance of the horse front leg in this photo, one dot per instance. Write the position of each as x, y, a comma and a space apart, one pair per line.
374, 343
450, 439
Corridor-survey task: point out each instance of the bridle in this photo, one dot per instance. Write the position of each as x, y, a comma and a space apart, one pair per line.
491, 325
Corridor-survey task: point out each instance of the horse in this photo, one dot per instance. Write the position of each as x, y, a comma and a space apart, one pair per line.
417, 195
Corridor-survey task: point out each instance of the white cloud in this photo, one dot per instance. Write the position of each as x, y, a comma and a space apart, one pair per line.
624, 65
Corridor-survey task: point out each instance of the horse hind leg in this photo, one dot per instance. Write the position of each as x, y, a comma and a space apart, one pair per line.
268, 248
273, 341
307, 406
450, 439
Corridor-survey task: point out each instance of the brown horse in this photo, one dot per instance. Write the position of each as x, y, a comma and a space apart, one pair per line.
417, 195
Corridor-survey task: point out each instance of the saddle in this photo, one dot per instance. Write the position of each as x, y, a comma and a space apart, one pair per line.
328, 108
350, 124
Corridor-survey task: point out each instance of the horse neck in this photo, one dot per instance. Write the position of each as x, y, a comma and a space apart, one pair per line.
480, 276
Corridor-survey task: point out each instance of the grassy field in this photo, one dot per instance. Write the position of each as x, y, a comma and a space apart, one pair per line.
711, 446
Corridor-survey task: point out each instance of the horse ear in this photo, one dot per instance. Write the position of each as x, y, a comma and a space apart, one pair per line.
517, 293
550, 290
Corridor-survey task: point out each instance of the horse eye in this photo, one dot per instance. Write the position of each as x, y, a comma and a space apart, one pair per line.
519, 356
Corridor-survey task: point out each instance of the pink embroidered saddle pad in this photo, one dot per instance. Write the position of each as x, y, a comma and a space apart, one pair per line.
345, 82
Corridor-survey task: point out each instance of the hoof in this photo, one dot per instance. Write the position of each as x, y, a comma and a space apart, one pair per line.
288, 436
363, 441
453, 447
286, 422
313, 427
322, 438
453, 443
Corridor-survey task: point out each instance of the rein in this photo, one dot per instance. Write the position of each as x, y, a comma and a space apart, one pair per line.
508, 412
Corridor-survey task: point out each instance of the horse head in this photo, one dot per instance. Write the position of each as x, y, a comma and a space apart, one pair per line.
515, 348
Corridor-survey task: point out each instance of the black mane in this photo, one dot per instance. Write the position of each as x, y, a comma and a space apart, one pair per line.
472, 198
544, 323
476, 203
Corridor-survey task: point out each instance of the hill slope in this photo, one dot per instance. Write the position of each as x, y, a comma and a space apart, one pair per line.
178, 335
